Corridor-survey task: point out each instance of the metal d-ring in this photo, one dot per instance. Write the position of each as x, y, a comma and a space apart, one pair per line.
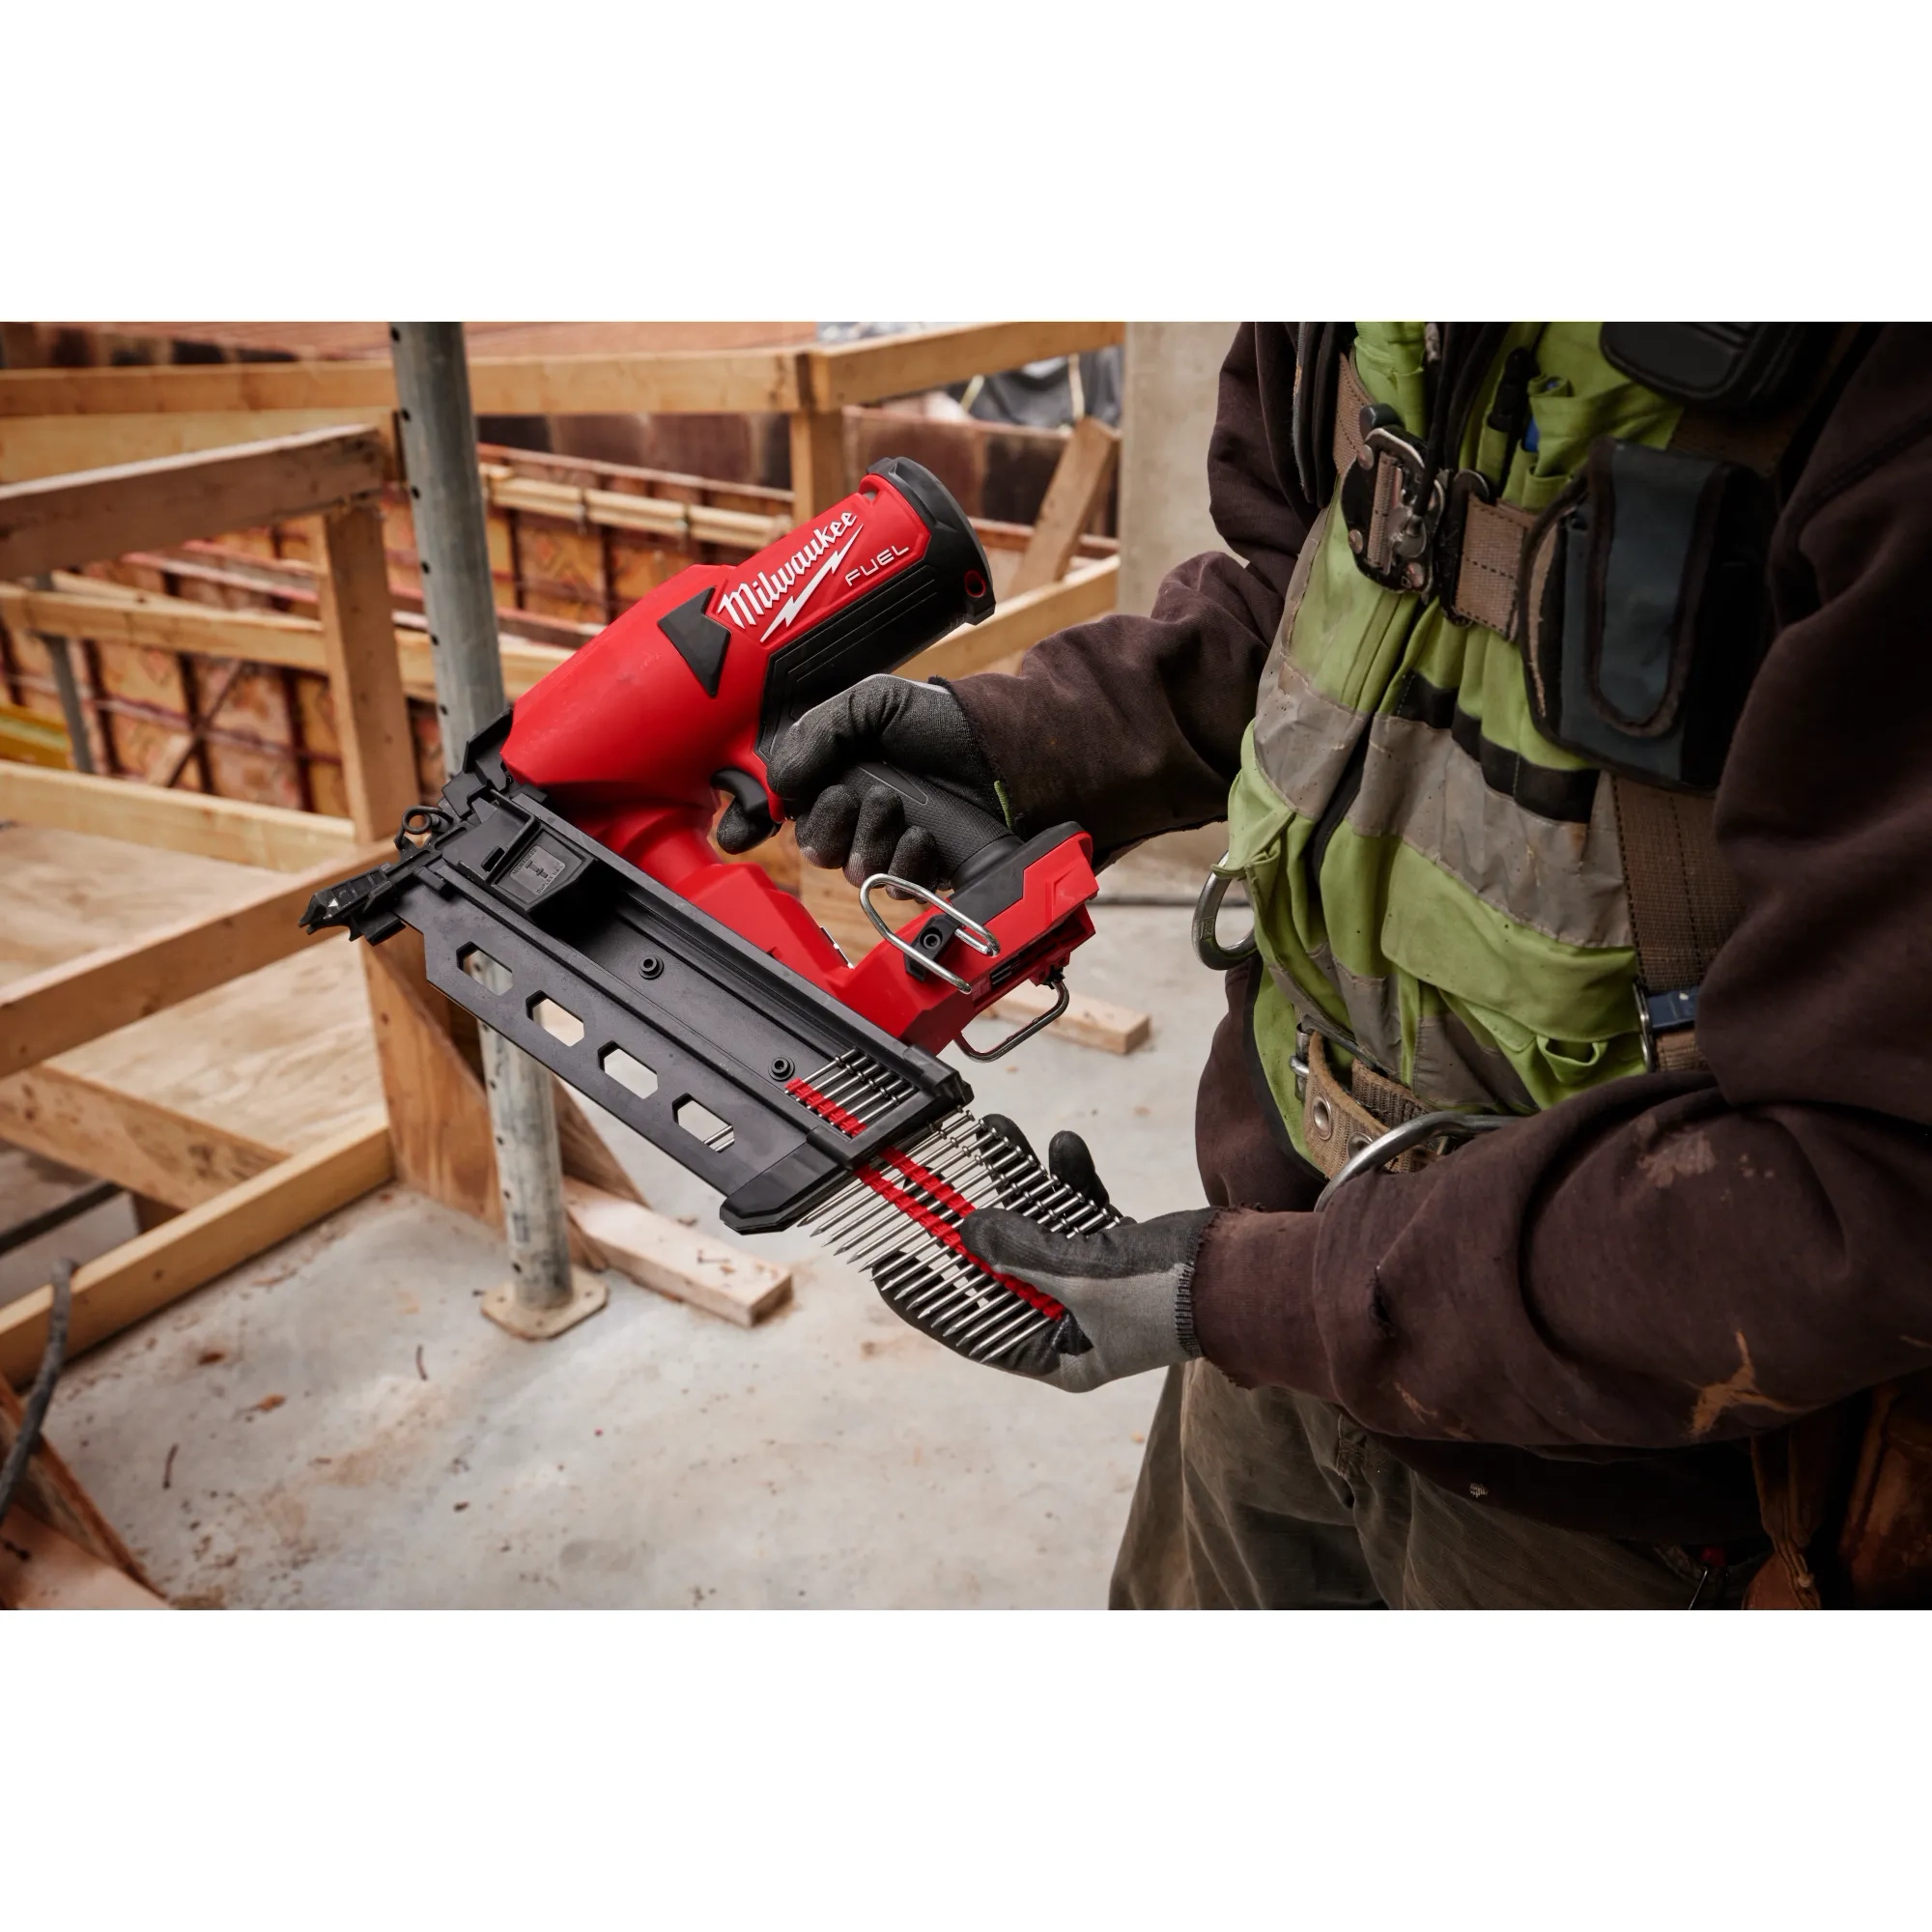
1447, 1125
969, 930
1208, 947
1058, 982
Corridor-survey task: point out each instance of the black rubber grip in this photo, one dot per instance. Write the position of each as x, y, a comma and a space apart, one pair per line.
969, 840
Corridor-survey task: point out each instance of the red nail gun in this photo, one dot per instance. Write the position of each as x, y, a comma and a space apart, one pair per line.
568, 894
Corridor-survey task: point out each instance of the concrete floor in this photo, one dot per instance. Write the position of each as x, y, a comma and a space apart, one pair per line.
337, 1425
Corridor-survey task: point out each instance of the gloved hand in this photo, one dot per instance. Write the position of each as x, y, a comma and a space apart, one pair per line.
893, 721
1126, 1289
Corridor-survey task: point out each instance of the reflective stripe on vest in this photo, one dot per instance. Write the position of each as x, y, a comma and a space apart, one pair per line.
1426, 868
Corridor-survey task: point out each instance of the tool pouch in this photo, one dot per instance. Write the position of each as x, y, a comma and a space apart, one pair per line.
1643, 615
1862, 1543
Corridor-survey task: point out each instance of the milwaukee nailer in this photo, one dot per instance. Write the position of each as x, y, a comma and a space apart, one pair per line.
567, 876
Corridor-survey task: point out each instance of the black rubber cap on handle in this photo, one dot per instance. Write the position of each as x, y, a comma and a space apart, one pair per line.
971, 841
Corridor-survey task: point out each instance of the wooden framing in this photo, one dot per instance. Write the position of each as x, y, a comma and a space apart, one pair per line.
244, 834
148, 1149
193, 1247
46, 1013
255, 637
57, 521
238, 1196
682, 381
1079, 483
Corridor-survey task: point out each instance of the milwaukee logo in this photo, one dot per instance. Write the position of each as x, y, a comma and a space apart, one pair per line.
744, 604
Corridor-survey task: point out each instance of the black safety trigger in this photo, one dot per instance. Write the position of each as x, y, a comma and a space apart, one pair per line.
748, 795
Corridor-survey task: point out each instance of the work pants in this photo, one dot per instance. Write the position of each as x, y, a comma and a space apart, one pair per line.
1262, 1499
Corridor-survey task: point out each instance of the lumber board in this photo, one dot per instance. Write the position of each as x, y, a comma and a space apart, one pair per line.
674, 380
703, 1269
119, 615
1085, 1022
51, 445
898, 365
53, 1493
47, 1012
1079, 481
817, 461
233, 829
135, 1280
439, 1116
42, 1570
358, 641
62, 520
1020, 623
147, 1147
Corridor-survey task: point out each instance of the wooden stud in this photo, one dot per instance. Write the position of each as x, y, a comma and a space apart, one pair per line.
659, 1253
116, 614
153, 1269
268, 835
42, 1570
1085, 1022
56, 446
358, 641
1020, 623
900, 365
51, 1493
148, 1149
62, 520
817, 461
1080, 480
47, 1012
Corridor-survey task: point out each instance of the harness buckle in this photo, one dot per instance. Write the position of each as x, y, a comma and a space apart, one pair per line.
1392, 503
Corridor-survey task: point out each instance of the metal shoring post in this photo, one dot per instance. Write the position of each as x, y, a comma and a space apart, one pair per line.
545, 1295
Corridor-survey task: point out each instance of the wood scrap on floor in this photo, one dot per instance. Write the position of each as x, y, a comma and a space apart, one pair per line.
1085, 1022
57, 1550
42, 1570
683, 1263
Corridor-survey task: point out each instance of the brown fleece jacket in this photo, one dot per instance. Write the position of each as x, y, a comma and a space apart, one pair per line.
1590, 1311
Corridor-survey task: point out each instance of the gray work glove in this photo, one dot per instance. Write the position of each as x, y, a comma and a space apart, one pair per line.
843, 821
1127, 1289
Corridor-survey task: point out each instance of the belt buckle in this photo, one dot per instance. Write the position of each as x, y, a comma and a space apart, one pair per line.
1391, 521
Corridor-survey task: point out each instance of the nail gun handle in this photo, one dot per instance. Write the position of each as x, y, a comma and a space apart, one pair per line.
970, 840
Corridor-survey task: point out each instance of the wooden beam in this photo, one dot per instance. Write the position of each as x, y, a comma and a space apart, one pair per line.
53, 1493
32, 446
1020, 623
659, 1253
899, 365
1085, 1022
358, 647
270, 836
439, 1118
817, 461
669, 381
47, 1012
117, 615
1079, 482
153, 1269
57, 521
148, 1149
42, 1570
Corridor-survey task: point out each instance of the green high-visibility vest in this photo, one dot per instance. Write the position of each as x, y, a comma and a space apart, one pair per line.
1427, 872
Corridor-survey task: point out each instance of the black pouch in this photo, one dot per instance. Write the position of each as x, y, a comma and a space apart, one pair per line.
1643, 613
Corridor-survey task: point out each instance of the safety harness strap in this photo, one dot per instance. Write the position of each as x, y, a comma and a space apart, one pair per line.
1684, 905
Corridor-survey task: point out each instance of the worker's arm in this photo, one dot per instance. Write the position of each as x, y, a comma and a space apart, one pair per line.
1132, 725
1675, 1259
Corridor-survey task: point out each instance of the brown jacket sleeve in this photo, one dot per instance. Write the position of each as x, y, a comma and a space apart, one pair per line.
1677, 1259
1133, 724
